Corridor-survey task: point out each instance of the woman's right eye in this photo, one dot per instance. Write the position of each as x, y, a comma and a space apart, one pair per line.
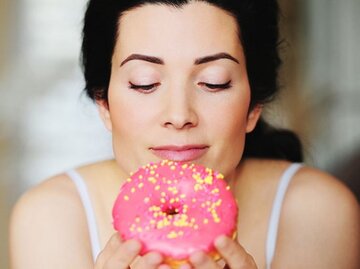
144, 88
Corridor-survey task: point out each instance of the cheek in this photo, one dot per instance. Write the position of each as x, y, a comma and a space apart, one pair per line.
230, 116
128, 112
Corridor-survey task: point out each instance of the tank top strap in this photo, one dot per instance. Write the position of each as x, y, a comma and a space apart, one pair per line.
276, 210
89, 211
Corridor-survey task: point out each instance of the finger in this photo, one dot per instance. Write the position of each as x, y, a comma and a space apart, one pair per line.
202, 261
234, 254
124, 255
109, 249
150, 260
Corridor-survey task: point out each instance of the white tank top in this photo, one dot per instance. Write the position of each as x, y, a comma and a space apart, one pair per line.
273, 221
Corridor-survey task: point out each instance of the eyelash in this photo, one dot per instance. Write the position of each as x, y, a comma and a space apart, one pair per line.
152, 87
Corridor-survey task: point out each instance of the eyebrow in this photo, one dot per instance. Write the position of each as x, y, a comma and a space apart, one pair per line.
198, 61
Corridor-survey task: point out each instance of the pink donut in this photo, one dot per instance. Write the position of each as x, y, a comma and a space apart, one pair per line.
176, 209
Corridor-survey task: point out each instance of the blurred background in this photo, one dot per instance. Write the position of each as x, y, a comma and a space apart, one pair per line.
47, 125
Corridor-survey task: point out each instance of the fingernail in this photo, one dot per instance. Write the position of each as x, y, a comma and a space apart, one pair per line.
154, 258
164, 266
197, 258
133, 246
221, 241
185, 266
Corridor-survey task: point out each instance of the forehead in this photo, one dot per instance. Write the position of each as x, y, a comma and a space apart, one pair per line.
195, 29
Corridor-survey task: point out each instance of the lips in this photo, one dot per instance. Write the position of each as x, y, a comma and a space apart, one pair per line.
184, 153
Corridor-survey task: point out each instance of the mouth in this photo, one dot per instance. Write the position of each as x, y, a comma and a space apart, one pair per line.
184, 153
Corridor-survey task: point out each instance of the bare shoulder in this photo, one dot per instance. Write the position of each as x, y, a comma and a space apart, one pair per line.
320, 223
47, 227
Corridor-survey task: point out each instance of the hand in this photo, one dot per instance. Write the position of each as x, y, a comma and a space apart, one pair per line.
119, 254
234, 255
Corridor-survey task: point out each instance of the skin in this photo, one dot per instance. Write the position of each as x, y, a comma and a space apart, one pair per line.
182, 110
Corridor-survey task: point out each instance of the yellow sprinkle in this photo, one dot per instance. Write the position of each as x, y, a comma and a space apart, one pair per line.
220, 176
193, 200
163, 194
139, 229
162, 200
140, 177
206, 221
227, 188
172, 235
208, 179
147, 199
152, 172
184, 166
216, 190
137, 219
126, 198
133, 190
173, 167
157, 187
141, 185
128, 179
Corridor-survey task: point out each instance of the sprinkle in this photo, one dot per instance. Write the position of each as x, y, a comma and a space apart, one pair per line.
146, 200
216, 190
133, 190
126, 198
152, 172
157, 187
208, 179
173, 167
206, 221
141, 185
137, 219
128, 180
172, 235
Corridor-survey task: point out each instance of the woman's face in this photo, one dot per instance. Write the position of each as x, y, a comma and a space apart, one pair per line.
179, 88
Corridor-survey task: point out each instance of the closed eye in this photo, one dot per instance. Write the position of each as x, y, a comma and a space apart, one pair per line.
144, 88
214, 87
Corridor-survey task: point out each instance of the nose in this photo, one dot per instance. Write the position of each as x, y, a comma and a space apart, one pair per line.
180, 110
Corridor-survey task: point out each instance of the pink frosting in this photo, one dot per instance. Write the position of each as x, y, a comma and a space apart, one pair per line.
175, 208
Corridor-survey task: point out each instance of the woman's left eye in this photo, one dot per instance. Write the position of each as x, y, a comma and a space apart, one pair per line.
215, 87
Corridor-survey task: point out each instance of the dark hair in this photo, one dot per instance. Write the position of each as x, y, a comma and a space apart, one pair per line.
258, 24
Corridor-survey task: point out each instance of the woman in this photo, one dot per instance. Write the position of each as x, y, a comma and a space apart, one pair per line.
186, 81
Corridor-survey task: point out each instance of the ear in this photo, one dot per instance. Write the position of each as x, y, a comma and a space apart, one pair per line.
253, 118
104, 113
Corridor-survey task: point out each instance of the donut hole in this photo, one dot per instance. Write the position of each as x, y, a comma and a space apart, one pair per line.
171, 211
